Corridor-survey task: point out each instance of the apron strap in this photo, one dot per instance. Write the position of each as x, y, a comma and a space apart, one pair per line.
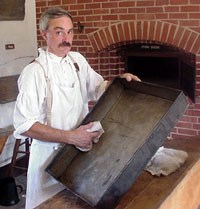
49, 96
77, 69
74, 62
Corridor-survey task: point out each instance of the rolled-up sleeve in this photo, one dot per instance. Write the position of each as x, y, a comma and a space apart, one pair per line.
30, 103
95, 84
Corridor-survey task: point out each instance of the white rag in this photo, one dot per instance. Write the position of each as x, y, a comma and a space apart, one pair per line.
166, 161
95, 127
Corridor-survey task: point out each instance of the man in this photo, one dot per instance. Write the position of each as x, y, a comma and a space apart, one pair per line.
52, 101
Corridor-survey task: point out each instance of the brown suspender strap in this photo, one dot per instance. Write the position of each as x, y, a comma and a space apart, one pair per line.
49, 96
74, 62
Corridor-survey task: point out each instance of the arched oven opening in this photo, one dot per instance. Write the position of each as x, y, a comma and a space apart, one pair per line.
163, 65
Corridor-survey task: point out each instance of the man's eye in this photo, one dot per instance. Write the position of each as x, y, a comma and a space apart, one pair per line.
59, 33
70, 32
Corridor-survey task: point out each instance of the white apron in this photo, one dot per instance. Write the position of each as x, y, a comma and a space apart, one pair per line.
40, 185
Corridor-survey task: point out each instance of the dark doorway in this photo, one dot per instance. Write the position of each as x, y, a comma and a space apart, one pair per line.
163, 65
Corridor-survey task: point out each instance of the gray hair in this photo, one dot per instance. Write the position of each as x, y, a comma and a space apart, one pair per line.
52, 13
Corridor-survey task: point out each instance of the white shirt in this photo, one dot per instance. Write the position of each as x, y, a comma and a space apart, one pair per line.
70, 90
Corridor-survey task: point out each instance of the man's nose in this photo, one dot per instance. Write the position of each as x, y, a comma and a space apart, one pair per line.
65, 36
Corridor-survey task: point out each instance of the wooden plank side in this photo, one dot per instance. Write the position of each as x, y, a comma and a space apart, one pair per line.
8, 88
131, 114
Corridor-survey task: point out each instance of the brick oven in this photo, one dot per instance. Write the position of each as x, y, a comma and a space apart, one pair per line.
162, 64
116, 31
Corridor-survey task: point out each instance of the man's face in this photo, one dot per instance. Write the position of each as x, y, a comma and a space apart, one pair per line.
59, 36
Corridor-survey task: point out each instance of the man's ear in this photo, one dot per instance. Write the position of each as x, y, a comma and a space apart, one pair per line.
43, 34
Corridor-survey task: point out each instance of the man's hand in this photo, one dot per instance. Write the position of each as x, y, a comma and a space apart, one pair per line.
82, 137
130, 77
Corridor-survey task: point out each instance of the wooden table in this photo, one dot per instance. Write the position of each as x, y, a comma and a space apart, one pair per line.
180, 190
4, 134
8, 93
9, 89
3, 140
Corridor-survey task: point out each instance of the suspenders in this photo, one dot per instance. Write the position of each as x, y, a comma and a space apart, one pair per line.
49, 94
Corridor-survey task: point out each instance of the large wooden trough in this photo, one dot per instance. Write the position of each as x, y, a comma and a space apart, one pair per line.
137, 117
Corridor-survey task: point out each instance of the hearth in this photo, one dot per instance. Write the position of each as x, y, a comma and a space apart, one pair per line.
163, 65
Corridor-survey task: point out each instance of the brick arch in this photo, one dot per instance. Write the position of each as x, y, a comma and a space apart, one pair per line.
158, 31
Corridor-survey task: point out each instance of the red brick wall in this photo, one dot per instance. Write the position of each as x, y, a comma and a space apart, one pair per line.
109, 22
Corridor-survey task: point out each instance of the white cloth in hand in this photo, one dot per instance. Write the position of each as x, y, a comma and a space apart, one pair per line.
166, 161
95, 127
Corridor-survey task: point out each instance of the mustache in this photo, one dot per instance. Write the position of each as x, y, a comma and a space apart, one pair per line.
64, 43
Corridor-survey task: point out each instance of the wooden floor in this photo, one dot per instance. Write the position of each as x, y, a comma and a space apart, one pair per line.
20, 179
